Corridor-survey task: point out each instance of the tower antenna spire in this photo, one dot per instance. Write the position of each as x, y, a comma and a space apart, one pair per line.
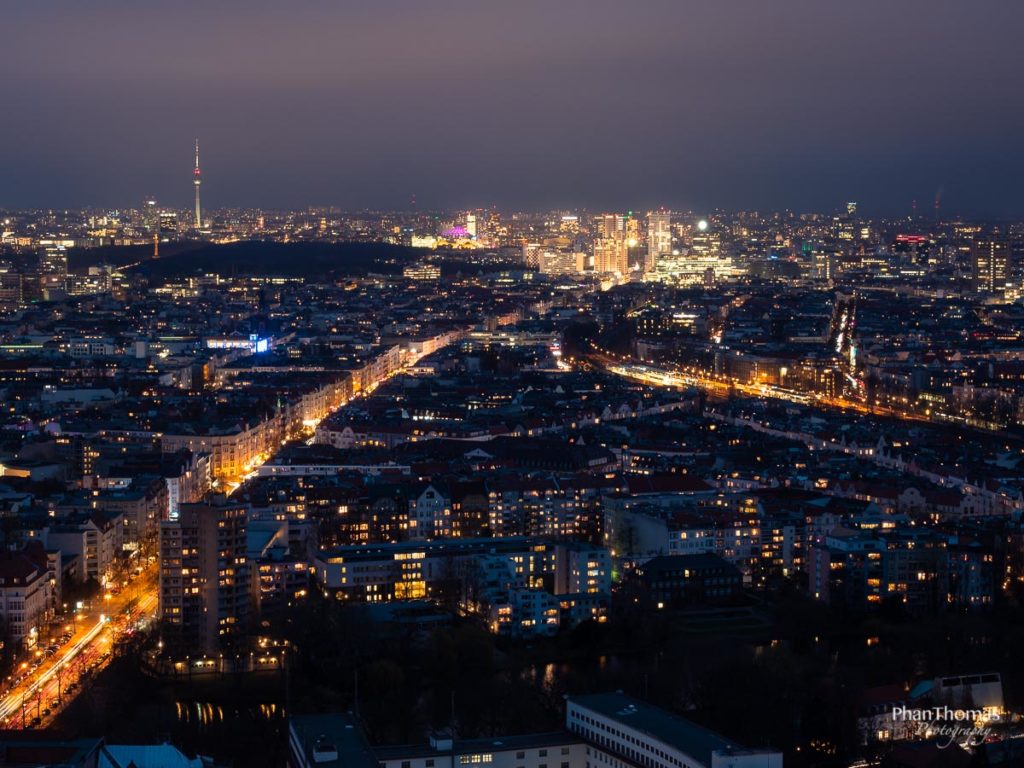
197, 180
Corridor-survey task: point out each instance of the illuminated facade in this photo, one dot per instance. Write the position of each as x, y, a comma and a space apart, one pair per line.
990, 262
553, 262
422, 272
659, 239
23, 596
53, 262
611, 256
206, 589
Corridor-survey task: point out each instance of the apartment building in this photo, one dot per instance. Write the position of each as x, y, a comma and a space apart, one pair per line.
93, 539
206, 585
24, 596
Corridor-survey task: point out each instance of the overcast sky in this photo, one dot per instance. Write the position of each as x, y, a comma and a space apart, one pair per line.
692, 104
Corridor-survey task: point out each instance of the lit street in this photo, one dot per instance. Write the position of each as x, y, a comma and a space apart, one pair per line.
45, 690
512, 385
719, 386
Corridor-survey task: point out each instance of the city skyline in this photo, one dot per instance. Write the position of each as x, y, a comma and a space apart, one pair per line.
576, 384
801, 106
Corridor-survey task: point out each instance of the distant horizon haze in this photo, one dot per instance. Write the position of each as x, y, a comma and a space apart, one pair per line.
531, 105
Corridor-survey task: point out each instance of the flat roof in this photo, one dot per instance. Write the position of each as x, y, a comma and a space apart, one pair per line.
478, 746
694, 740
341, 732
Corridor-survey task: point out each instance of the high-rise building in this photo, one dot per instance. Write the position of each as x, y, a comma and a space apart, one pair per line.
197, 180
206, 589
703, 263
632, 227
659, 238
611, 255
531, 255
705, 242
11, 289
53, 262
990, 262
150, 216
168, 223
824, 264
609, 225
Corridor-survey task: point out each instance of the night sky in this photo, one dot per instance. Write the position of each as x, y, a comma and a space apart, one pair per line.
741, 104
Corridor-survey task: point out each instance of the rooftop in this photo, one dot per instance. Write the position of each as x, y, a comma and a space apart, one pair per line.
327, 734
475, 746
692, 739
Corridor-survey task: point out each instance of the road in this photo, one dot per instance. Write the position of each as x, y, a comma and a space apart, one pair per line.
54, 683
232, 484
687, 377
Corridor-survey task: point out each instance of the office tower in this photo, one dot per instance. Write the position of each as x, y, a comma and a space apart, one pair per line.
990, 262
206, 593
702, 263
632, 230
824, 265
471, 223
53, 273
705, 242
659, 238
609, 225
851, 209
636, 260
150, 216
197, 181
611, 255
11, 289
53, 262
531, 255
168, 223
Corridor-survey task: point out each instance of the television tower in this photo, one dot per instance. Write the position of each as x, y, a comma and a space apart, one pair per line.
196, 181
